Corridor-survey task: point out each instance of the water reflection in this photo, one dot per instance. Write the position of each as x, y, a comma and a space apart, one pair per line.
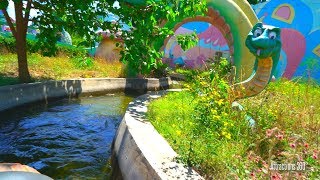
66, 139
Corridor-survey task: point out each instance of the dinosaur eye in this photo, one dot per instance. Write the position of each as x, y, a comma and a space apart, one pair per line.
272, 35
257, 32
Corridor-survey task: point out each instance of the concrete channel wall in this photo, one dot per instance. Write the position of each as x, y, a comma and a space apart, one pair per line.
16, 95
139, 152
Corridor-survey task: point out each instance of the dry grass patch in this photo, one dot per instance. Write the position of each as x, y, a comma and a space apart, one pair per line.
58, 68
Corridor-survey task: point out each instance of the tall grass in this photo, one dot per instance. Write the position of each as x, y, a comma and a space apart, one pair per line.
219, 142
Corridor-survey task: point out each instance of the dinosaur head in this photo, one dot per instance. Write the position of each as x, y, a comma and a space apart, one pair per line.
264, 41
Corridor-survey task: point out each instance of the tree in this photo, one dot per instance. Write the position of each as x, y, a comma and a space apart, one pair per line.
142, 42
151, 23
53, 15
19, 32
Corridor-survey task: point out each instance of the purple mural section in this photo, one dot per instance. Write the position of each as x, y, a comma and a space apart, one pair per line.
300, 24
211, 45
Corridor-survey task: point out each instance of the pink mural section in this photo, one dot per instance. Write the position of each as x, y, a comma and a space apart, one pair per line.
294, 45
211, 44
183, 30
284, 12
214, 36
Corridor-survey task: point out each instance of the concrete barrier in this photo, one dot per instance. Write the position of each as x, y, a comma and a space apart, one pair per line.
140, 152
16, 95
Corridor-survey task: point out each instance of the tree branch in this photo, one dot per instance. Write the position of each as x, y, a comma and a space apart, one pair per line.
13, 29
27, 14
20, 25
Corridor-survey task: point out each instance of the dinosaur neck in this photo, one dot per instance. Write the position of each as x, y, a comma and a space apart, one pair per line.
257, 82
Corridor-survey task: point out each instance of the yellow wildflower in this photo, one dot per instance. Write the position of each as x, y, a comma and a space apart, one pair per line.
216, 117
228, 136
219, 102
178, 132
213, 111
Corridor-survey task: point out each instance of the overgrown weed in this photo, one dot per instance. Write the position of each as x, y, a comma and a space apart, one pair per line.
218, 141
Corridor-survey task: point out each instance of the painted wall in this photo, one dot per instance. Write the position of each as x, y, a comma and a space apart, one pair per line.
210, 45
300, 24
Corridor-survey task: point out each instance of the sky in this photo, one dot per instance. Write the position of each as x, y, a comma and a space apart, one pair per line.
12, 14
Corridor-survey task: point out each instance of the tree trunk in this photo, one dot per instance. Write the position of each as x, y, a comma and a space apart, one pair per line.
21, 43
24, 75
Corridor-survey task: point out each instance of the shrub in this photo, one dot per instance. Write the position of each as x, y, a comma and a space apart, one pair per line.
8, 44
218, 141
83, 62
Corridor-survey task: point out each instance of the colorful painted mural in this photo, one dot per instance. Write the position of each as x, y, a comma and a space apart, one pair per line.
211, 44
233, 23
300, 24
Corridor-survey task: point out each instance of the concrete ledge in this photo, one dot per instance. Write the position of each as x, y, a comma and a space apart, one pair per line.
178, 77
140, 152
16, 95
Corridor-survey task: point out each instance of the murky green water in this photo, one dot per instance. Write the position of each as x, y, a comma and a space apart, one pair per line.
67, 139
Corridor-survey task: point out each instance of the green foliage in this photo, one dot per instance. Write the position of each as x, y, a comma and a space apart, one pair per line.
212, 114
53, 16
252, 1
5, 80
4, 4
141, 53
83, 62
255, 1
71, 51
312, 66
217, 141
8, 43
82, 19
78, 54
79, 41
187, 41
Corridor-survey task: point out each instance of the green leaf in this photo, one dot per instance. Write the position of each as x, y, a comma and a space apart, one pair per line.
4, 4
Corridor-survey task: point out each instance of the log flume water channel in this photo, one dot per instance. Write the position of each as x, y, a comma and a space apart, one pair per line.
66, 139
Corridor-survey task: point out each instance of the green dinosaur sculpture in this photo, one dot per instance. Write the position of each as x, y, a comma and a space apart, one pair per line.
265, 43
